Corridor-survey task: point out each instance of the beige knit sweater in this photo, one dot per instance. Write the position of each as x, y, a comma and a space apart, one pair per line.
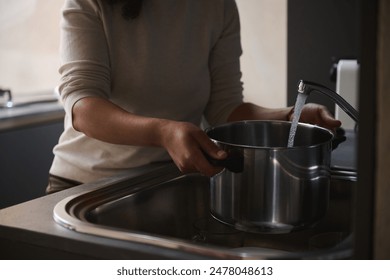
178, 60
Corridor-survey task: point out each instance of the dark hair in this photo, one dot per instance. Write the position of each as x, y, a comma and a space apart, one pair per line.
130, 8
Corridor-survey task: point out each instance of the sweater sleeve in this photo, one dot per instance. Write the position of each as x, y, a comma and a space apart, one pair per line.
85, 68
224, 64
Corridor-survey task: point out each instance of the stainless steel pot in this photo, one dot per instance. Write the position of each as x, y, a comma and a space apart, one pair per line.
271, 188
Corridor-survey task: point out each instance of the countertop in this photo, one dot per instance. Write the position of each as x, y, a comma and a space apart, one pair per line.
28, 230
34, 113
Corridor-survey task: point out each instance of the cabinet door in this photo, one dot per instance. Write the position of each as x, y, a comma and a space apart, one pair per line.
25, 158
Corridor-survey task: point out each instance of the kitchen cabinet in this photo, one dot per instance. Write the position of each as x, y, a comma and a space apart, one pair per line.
26, 143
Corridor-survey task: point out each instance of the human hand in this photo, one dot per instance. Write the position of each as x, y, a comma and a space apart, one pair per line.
318, 115
187, 144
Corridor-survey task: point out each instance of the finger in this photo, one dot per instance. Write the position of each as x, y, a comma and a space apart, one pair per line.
195, 161
209, 147
206, 168
328, 120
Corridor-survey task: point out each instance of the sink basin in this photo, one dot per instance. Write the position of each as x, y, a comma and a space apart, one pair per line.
171, 210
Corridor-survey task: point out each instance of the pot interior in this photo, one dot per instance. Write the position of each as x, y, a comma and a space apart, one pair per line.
268, 134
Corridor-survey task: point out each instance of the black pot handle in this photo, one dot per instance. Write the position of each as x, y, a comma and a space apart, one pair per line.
339, 137
234, 161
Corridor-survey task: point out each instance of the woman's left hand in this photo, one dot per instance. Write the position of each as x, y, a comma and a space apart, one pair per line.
318, 115
311, 113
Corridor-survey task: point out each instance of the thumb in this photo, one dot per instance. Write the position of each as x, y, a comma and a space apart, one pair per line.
214, 151
329, 120
210, 148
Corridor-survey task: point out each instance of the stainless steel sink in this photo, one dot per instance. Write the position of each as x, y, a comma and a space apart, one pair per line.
171, 210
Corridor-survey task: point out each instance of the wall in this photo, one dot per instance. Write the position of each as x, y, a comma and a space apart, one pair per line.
30, 60
29, 47
319, 31
264, 42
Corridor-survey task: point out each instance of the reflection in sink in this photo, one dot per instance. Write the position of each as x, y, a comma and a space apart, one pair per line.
171, 210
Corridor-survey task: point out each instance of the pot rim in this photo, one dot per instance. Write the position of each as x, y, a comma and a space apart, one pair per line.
312, 126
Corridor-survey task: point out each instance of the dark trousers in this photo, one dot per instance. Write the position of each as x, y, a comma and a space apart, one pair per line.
57, 183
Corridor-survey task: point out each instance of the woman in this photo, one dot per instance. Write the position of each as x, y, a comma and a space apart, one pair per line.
137, 77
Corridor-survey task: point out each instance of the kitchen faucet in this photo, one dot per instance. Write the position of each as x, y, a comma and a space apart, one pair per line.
9, 102
307, 87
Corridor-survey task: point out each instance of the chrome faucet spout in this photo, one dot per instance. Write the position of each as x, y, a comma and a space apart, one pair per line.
307, 87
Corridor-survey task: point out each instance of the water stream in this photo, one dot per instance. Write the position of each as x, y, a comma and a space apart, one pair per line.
301, 99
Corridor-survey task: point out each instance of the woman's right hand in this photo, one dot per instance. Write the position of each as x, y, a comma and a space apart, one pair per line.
186, 144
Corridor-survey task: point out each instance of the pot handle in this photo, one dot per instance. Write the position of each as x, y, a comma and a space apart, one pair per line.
234, 161
339, 137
